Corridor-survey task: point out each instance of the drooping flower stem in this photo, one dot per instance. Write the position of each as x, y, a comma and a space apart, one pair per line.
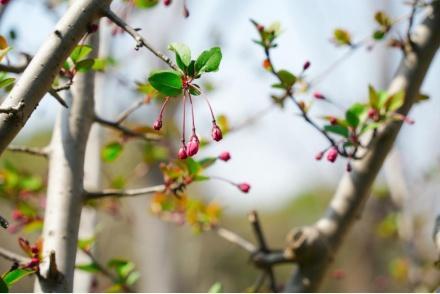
192, 114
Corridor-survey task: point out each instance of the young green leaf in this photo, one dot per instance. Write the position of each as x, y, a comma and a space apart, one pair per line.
209, 60
80, 52
85, 65
16, 275
216, 288
145, 4
337, 129
395, 101
287, 78
3, 287
6, 82
341, 37
168, 82
88, 267
373, 97
354, 113
183, 54
111, 151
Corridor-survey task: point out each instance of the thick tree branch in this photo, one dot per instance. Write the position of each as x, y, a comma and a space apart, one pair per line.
41, 71
140, 41
92, 195
315, 246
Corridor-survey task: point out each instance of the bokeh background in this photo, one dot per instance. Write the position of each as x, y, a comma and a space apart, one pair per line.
389, 249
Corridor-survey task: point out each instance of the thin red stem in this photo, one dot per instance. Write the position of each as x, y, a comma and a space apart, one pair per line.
210, 109
163, 107
192, 113
184, 118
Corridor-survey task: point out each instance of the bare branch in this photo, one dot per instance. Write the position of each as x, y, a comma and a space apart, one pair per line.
16, 68
126, 131
123, 193
58, 98
235, 238
12, 109
44, 152
140, 41
258, 231
132, 108
11, 256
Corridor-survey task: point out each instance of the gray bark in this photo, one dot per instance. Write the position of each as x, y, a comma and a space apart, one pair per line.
40, 73
65, 185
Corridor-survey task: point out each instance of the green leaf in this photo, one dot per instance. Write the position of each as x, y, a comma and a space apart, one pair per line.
34, 226
3, 287
373, 97
193, 166
101, 64
86, 244
353, 114
122, 267
85, 65
132, 278
341, 37
145, 4
287, 78
80, 52
111, 151
88, 267
16, 275
194, 90
183, 54
395, 101
168, 82
382, 19
207, 162
378, 35
209, 60
200, 178
216, 288
6, 82
336, 129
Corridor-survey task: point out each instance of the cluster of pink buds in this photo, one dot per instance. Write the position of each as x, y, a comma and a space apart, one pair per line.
332, 154
33, 252
192, 148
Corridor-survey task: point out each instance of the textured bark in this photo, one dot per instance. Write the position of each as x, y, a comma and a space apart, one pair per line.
65, 185
39, 75
315, 246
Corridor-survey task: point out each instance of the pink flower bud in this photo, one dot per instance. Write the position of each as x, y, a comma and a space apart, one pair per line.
408, 120
306, 65
318, 95
92, 28
373, 114
348, 167
260, 27
182, 153
4, 2
167, 2
319, 155
33, 263
225, 156
157, 125
333, 120
17, 215
193, 146
332, 154
35, 249
244, 187
216, 133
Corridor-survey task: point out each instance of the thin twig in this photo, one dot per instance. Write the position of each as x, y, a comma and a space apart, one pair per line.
132, 108
140, 41
11, 256
44, 152
66, 86
235, 238
16, 69
123, 193
106, 273
58, 98
126, 131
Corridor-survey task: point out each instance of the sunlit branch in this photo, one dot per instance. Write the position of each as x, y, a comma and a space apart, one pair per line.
43, 152
92, 195
140, 40
11, 256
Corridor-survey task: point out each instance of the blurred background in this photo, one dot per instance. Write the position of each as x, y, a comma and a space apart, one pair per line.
389, 249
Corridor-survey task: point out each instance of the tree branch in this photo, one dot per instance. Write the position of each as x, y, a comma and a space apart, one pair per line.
92, 195
315, 246
16, 68
44, 152
140, 41
126, 131
132, 108
235, 238
11, 256
41, 71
